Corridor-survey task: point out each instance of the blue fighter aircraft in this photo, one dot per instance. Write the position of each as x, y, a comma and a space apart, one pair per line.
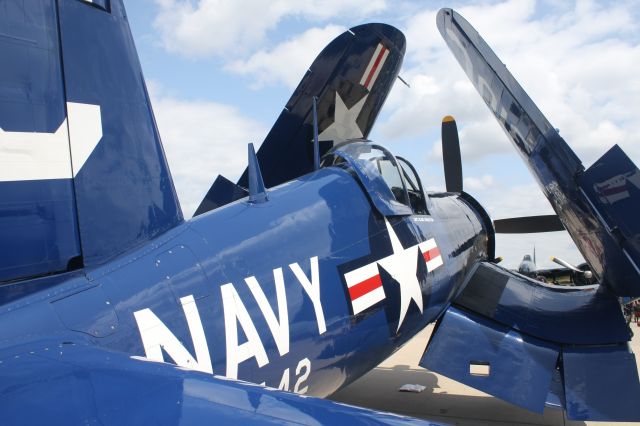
323, 260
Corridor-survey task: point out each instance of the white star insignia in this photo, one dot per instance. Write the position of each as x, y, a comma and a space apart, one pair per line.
344, 124
401, 265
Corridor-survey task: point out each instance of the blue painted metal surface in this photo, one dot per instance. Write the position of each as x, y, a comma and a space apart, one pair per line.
551, 161
570, 315
545, 345
230, 244
257, 291
519, 368
124, 192
601, 383
38, 223
39, 229
287, 151
612, 185
77, 383
596, 207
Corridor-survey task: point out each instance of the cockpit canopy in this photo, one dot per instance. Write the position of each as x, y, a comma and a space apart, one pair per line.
391, 182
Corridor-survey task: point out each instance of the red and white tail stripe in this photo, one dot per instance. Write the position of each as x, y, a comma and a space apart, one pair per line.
375, 65
431, 254
365, 287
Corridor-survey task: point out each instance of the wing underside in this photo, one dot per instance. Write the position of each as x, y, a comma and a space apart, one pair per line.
592, 205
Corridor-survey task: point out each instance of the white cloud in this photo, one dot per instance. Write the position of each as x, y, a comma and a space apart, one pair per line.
287, 62
513, 247
578, 62
578, 66
201, 140
478, 140
502, 200
219, 27
473, 183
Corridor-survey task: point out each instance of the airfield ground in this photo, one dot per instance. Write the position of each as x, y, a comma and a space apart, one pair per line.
444, 400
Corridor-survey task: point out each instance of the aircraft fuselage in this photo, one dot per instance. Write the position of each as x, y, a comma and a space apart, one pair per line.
266, 292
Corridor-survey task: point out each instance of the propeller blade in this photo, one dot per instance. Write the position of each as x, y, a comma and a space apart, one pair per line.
587, 274
565, 264
451, 155
528, 224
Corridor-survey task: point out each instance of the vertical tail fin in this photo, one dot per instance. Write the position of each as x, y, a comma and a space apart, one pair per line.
83, 176
124, 192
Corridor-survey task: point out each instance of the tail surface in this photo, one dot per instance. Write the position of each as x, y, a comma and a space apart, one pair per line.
83, 176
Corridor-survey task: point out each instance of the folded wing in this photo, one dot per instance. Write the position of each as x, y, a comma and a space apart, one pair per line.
351, 78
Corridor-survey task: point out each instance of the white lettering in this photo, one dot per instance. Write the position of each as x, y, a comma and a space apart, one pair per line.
235, 312
312, 288
306, 364
156, 337
279, 329
284, 382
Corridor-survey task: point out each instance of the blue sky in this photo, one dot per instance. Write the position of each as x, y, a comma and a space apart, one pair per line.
220, 71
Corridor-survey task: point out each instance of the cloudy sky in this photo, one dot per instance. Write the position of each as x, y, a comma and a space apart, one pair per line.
220, 71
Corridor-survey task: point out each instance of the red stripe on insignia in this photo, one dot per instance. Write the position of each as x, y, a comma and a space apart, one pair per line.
375, 66
365, 287
613, 190
431, 254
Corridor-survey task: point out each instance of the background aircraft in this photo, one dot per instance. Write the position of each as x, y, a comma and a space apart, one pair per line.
567, 274
303, 286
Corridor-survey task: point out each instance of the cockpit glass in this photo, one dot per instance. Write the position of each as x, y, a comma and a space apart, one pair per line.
409, 176
372, 156
398, 175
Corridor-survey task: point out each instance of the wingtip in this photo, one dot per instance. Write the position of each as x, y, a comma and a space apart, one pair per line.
441, 16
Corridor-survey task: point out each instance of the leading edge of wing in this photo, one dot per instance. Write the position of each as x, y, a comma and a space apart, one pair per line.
77, 383
520, 117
